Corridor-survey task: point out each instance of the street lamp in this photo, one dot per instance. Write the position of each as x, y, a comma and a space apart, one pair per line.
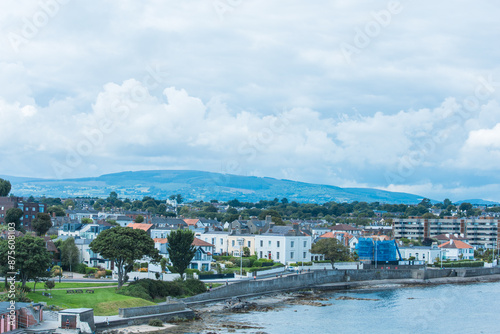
375, 253
240, 241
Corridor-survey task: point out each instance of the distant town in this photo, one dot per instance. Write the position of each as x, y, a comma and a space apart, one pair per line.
238, 240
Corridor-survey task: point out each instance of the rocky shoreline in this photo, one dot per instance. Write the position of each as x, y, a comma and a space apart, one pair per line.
211, 318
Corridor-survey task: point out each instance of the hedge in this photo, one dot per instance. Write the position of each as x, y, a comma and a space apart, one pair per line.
455, 264
301, 264
150, 289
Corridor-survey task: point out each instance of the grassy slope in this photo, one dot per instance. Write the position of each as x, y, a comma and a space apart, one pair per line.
64, 285
104, 301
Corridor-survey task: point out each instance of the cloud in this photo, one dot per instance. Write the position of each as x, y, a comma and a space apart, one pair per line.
259, 88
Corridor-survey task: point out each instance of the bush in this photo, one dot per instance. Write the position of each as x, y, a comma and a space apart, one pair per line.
155, 322
49, 285
109, 272
80, 268
458, 264
192, 271
90, 270
194, 286
222, 257
144, 265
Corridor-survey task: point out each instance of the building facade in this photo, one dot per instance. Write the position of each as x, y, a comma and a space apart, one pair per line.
480, 232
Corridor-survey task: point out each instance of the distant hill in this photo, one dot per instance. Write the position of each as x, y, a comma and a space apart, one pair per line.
477, 202
197, 185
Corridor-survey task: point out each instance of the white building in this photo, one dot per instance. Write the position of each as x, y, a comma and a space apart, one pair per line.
216, 238
421, 253
284, 244
455, 250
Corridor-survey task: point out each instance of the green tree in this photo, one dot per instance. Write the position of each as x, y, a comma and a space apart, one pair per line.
124, 246
42, 223
32, 258
58, 210
139, 219
87, 221
69, 253
332, 249
180, 249
246, 251
163, 264
69, 203
13, 215
5, 187
4, 260
56, 271
179, 198
50, 285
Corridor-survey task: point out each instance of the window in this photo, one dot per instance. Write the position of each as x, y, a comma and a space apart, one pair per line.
305, 255
277, 243
292, 244
291, 255
262, 244
261, 254
232, 243
269, 242
277, 255
33, 209
249, 243
221, 241
305, 243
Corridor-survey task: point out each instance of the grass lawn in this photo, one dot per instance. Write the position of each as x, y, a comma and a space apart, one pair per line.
68, 285
104, 301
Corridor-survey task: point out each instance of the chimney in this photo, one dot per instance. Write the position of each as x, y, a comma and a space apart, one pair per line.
54, 214
239, 217
451, 242
268, 219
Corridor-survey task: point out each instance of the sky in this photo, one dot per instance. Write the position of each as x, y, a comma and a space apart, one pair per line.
396, 95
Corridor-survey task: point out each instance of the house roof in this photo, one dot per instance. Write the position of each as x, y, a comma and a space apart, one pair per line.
447, 236
140, 226
335, 234
199, 242
196, 242
344, 227
191, 222
455, 244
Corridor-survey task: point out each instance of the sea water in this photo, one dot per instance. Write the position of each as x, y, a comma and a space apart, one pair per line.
457, 308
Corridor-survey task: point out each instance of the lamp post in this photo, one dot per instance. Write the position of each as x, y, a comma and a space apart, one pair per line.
375, 253
240, 241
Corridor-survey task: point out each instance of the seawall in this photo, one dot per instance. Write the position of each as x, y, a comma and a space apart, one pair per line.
347, 278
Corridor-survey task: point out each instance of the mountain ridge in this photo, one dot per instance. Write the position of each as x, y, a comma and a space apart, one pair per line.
201, 185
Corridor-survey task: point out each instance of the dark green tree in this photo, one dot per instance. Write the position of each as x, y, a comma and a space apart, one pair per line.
180, 249
139, 219
42, 223
58, 210
69, 253
5, 187
32, 258
332, 249
124, 246
13, 215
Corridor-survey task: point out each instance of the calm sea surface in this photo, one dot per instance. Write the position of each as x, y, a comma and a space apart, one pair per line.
464, 308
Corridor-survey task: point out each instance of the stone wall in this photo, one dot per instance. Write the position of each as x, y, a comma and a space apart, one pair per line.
153, 309
314, 278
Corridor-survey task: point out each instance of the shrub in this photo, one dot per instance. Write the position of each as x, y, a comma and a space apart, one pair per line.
144, 265
192, 271
150, 289
222, 257
90, 270
155, 322
194, 286
49, 285
80, 268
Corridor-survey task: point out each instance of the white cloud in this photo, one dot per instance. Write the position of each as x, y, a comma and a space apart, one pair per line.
262, 88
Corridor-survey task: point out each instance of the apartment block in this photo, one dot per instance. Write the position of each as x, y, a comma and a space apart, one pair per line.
480, 232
